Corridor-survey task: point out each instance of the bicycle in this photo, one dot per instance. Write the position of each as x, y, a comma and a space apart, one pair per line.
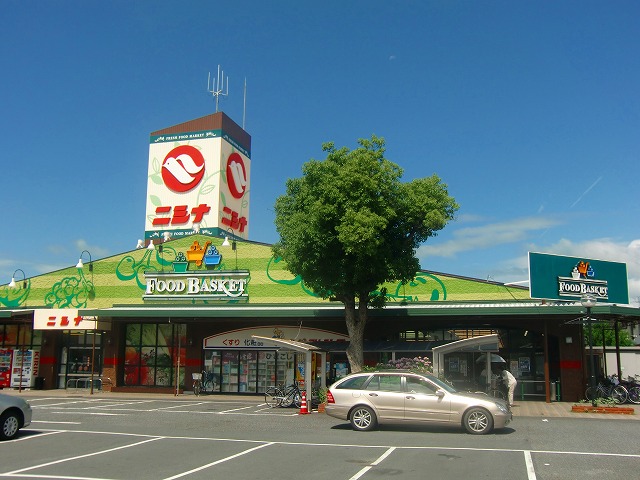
197, 383
283, 396
203, 382
208, 381
618, 393
633, 389
499, 390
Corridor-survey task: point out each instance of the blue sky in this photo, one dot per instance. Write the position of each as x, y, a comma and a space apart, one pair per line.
528, 111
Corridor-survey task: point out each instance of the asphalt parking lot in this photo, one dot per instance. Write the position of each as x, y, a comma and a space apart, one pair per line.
99, 437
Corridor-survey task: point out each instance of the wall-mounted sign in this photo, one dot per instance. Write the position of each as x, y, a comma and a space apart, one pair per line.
201, 285
61, 319
570, 278
243, 338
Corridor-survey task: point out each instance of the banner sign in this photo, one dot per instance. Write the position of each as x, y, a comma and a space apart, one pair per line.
200, 285
570, 278
61, 319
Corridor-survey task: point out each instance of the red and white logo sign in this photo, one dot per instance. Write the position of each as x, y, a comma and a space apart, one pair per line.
183, 168
236, 175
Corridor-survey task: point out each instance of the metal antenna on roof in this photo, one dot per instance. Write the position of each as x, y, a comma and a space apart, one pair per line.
244, 104
216, 86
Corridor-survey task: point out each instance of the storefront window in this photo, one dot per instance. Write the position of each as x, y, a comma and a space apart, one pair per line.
79, 351
241, 371
151, 354
21, 335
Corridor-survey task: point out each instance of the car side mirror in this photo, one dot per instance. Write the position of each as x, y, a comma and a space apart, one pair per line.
440, 393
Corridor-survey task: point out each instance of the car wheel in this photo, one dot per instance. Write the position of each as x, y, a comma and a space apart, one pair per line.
363, 419
9, 425
478, 421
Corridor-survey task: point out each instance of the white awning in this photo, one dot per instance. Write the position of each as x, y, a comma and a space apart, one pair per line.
484, 343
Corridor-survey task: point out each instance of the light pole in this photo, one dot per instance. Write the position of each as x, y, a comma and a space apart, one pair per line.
12, 283
80, 266
234, 247
589, 301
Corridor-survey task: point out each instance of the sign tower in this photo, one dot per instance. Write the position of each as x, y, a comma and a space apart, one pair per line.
198, 179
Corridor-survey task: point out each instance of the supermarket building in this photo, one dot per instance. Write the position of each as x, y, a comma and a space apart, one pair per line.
199, 295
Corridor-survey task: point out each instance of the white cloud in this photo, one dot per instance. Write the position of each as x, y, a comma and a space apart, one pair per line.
95, 251
487, 236
518, 232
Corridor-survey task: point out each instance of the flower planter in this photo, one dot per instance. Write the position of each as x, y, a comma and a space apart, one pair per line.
321, 407
602, 409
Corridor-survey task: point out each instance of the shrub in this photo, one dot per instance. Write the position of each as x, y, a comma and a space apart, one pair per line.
416, 364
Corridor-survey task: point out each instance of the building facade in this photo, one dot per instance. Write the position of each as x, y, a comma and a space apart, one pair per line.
196, 295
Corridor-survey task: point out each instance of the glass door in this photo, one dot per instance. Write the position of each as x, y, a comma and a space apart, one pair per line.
212, 366
285, 368
266, 370
248, 372
229, 372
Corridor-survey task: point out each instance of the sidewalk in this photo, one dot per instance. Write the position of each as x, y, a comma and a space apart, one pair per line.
520, 409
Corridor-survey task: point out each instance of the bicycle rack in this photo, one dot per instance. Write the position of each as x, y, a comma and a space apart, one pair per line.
84, 383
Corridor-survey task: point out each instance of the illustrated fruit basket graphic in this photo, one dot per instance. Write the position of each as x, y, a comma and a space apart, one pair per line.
212, 257
180, 264
196, 252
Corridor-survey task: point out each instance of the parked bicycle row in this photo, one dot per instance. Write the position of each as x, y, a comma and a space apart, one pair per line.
620, 391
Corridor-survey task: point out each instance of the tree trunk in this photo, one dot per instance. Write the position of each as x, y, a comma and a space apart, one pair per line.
356, 321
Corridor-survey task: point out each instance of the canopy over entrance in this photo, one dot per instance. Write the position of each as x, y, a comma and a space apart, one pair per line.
485, 344
308, 350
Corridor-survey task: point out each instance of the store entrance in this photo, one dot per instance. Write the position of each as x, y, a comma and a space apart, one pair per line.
251, 371
80, 358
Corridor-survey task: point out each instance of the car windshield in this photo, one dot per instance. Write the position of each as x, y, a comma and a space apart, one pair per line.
443, 385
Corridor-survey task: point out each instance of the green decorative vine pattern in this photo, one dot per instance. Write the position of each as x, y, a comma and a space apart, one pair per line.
15, 297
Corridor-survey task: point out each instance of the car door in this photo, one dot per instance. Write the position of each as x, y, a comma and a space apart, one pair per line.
385, 393
422, 404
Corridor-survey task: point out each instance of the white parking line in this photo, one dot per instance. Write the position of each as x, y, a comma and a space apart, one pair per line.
65, 423
376, 462
218, 461
38, 435
235, 409
161, 409
57, 404
531, 472
103, 414
93, 454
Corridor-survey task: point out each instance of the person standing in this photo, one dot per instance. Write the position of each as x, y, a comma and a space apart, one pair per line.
511, 382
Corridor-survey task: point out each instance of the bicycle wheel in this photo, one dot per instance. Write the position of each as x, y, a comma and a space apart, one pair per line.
591, 393
297, 400
197, 388
272, 397
287, 399
619, 394
634, 394
495, 393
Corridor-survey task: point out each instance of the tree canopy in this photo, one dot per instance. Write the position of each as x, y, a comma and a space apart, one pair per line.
349, 225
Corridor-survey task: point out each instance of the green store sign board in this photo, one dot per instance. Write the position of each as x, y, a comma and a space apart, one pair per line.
570, 278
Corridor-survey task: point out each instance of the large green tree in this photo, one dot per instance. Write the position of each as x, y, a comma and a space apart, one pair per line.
349, 225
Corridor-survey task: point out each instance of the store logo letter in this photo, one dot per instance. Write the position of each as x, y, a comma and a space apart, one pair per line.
236, 175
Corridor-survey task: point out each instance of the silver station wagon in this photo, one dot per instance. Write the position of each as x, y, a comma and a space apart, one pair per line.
367, 399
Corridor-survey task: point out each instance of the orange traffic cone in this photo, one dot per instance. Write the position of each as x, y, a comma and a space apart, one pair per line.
303, 404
